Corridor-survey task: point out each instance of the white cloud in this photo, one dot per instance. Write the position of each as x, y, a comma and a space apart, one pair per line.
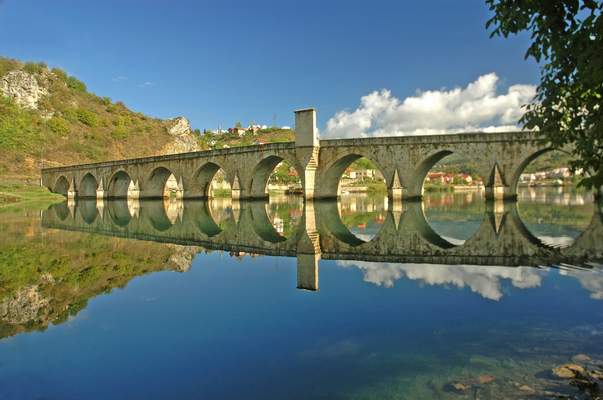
146, 84
476, 107
589, 280
484, 280
120, 78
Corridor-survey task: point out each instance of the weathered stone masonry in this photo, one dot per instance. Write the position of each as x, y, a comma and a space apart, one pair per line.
404, 162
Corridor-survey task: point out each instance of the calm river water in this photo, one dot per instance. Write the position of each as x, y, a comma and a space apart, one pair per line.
361, 299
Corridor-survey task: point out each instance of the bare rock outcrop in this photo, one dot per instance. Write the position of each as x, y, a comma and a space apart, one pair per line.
182, 258
184, 139
23, 88
23, 307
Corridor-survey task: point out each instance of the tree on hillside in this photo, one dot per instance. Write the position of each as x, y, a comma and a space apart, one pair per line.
567, 42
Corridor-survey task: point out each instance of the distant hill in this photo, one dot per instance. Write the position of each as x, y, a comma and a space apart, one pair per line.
49, 118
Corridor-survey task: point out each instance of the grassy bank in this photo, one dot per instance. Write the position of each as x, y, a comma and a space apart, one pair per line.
20, 195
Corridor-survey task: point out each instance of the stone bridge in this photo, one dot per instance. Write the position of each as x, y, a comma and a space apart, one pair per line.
404, 162
405, 236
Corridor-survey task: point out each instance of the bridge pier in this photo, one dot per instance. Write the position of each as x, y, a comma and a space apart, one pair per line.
496, 193
395, 190
307, 148
308, 250
307, 271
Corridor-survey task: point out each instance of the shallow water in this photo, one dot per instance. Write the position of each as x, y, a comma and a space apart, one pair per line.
361, 299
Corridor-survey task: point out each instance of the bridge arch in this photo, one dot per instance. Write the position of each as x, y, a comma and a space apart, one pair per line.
261, 173
203, 179
88, 186
415, 186
155, 185
61, 186
330, 182
120, 185
521, 167
546, 196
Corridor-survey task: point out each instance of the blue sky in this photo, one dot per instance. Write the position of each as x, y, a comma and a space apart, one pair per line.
226, 61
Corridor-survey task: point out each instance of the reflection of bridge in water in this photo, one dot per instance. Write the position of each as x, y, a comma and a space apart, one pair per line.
405, 236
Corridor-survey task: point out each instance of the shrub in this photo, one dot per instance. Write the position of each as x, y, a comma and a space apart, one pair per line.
76, 84
87, 117
70, 115
35, 68
119, 133
58, 125
6, 65
59, 73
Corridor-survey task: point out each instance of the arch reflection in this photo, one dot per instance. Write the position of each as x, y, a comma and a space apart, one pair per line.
199, 213
155, 212
454, 216
119, 211
88, 209
557, 217
405, 235
61, 210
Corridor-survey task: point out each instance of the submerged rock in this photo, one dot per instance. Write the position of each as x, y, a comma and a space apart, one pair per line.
483, 379
568, 371
580, 358
597, 374
458, 387
527, 389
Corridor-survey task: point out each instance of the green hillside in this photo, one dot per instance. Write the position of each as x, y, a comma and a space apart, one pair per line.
68, 125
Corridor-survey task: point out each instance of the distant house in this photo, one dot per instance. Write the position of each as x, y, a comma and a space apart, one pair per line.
563, 172
527, 178
439, 177
237, 131
466, 179
254, 128
365, 173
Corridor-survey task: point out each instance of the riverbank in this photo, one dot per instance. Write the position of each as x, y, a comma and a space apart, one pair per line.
18, 194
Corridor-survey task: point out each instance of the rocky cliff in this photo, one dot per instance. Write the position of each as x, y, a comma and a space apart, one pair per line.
183, 138
22, 88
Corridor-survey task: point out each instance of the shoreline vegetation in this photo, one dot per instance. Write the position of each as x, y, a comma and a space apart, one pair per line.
18, 194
